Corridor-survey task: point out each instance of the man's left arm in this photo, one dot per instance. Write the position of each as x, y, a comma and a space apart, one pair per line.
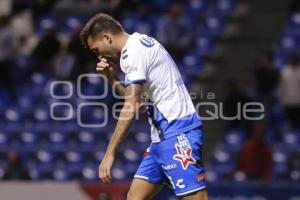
127, 115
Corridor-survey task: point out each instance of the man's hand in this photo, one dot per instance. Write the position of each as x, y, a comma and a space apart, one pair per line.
105, 168
107, 69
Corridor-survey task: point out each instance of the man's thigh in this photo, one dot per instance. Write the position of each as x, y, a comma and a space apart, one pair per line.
148, 179
142, 190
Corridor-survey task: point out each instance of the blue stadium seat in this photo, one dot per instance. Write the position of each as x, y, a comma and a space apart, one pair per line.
71, 24
294, 176
205, 44
223, 162
45, 157
280, 156
26, 106
197, 6
142, 139
192, 64
12, 115
211, 176
46, 22
38, 84
214, 24
294, 24
4, 102
55, 140
27, 141
86, 140
289, 43
60, 174
3, 159
74, 157
234, 140
90, 173
281, 58
118, 173
42, 115
134, 23
225, 7
291, 140
5, 140
132, 155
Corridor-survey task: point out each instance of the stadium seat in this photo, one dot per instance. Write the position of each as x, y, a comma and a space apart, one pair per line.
27, 141
118, 172
42, 115
86, 140
60, 174
214, 25
294, 24
204, 44
55, 140
291, 140
211, 176
225, 7
13, 115
90, 173
289, 43
134, 23
5, 141
132, 155
197, 7
234, 140
280, 156
223, 162
46, 22
192, 64
38, 84
71, 24
73, 157
143, 139
281, 58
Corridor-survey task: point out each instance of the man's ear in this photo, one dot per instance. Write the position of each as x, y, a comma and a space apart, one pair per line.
107, 37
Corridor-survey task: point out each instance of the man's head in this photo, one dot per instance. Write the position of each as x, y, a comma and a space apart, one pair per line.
100, 35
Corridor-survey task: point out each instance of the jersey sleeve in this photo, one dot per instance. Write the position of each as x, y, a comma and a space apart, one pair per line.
134, 65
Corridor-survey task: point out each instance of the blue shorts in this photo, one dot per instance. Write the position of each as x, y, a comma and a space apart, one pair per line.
177, 161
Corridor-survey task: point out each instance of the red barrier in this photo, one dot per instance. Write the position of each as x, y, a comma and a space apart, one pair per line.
113, 191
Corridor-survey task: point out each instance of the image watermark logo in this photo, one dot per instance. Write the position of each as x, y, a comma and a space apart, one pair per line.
92, 112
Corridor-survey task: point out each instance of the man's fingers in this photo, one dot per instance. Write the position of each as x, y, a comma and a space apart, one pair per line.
102, 64
103, 60
104, 175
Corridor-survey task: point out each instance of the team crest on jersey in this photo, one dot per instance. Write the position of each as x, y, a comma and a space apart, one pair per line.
184, 152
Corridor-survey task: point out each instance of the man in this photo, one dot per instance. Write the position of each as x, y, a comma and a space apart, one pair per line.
175, 153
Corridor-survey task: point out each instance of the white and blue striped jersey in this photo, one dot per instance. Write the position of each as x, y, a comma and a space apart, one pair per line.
144, 60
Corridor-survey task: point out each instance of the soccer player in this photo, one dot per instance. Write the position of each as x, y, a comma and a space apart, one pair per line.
174, 156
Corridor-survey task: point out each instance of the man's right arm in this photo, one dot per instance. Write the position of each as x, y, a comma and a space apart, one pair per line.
119, 87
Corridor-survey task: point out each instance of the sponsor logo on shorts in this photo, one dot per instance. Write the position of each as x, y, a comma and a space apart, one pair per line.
184, 152
169, 167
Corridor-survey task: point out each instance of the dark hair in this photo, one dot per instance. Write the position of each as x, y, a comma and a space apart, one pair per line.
268, 54
98, 24
293, 58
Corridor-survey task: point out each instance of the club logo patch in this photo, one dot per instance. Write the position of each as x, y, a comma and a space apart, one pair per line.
201, 177
184, 152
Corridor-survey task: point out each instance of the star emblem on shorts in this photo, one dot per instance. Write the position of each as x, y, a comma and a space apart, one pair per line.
184, 155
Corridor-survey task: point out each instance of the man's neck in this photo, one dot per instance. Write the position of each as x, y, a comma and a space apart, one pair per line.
122, 40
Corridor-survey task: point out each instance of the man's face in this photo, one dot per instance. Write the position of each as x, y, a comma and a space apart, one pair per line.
102, 46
